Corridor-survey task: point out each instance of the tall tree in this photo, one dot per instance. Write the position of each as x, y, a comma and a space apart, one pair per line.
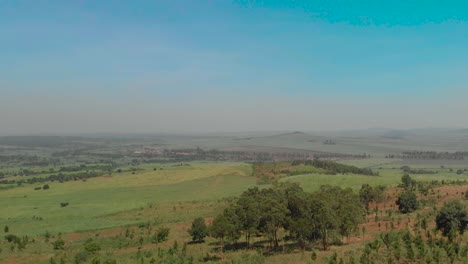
407, 202
247, 208
199, 230
452, 218
226, 226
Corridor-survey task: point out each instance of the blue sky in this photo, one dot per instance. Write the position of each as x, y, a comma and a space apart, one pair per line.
184, 60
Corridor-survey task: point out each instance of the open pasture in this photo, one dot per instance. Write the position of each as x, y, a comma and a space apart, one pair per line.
29, 211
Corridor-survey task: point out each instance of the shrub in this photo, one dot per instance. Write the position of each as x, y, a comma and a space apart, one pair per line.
59, 244
12, 238
45, 187
82, 257
161, 235
92, 246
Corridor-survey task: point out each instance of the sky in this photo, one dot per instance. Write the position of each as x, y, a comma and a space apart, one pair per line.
206, 66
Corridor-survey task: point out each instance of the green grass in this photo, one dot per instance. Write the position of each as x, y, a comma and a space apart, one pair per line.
98, 197
388, 176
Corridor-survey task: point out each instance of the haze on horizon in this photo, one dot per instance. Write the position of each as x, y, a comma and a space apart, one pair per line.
174, 66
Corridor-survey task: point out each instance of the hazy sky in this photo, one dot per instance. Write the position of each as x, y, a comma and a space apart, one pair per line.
162, 66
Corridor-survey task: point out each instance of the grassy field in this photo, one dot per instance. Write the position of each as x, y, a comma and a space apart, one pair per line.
97, 197
389, 174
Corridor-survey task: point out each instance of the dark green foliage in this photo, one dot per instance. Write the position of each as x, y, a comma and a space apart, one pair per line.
335, 168
12, 238
408, 182
331, 212
59, 244
407, 202
273, 210
370, 194
6, 229
45, 187
82, 257
199, 230
226, 226
336, 210
91, 246
452, 218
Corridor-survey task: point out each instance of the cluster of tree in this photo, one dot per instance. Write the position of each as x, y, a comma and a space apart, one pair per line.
429, 155
185, 155
335, 168
407, 169
60, 177
329, 214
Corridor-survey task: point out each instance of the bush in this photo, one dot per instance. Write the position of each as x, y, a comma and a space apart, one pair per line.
12, 238
92, 246
65, 204
59, 244
45, 187
161, 235
82, 257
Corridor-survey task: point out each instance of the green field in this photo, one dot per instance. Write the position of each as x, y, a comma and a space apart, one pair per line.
91, 200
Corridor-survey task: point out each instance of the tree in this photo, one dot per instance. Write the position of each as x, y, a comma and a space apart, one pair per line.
452, 218
6, 229
340, 211
407, 202
199, 230
226, 226
366, 195
273, 212
408, 182
247, 208
45, 187
369, 194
